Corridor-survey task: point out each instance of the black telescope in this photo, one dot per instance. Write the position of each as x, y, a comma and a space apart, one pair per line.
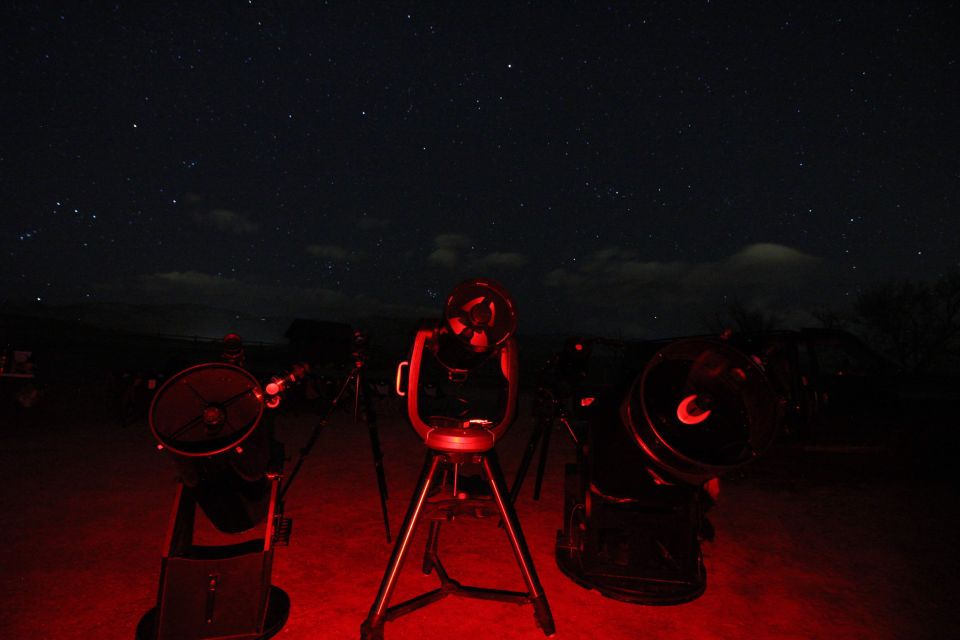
651, 444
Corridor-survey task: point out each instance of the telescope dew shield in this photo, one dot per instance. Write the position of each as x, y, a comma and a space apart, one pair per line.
700, 408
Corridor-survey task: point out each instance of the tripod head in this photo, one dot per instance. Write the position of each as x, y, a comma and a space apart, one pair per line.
361, 343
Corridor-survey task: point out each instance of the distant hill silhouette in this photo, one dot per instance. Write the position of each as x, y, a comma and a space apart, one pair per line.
78, 339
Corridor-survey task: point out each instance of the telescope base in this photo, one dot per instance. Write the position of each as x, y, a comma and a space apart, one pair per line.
643, 548
215, 591
278, 609
381, 612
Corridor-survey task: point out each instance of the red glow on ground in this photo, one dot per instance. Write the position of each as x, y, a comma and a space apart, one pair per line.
807, 545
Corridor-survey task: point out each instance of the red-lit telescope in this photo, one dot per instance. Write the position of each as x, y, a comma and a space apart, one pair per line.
651, 448
210, 419
472, 355
700, 408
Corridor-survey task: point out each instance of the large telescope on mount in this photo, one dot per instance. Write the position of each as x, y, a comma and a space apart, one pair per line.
650, 448
214, 421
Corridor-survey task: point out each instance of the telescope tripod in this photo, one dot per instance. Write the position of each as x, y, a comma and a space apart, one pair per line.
437, 510
548, 413
361, 398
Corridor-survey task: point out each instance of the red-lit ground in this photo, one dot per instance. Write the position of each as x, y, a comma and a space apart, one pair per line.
808, 545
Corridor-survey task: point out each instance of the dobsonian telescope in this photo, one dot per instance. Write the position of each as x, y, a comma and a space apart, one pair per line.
214, 420
651, 442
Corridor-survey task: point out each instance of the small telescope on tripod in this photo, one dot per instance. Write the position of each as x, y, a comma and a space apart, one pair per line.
472, 351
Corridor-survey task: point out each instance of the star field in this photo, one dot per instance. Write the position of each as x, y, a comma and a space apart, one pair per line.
623, 167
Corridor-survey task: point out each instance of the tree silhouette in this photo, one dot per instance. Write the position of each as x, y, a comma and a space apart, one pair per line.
831, 319
744, 319
917, 323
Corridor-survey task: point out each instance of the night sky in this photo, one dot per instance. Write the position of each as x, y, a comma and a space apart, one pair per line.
627, 168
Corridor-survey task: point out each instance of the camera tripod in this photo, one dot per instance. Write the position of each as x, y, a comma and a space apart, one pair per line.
361, 399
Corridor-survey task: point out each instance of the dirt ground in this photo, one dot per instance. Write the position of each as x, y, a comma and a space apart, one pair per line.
809, 544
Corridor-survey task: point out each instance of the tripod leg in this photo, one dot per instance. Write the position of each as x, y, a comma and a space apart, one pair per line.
538, 598
362, 390
372, 627
433, 537
538, 429
542, 464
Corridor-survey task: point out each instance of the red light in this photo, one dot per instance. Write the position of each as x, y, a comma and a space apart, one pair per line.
688, 412
712, 487
656, 478
586, 402
397, 386
578, 347
273, 388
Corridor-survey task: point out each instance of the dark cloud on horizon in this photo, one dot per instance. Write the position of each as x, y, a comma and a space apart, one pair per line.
456, 251
620, 292
613, 290
251, 297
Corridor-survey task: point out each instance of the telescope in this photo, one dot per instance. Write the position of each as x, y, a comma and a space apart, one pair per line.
470, 359
214, 420
339, 347
651, 445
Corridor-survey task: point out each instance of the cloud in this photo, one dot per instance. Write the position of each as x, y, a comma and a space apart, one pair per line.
500, 259
255, 296
211, 289
615, 269
451, 250
444, 257
766, 253
452, 240
620, 287
190, 279
197, 303
448, 249
226, 220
